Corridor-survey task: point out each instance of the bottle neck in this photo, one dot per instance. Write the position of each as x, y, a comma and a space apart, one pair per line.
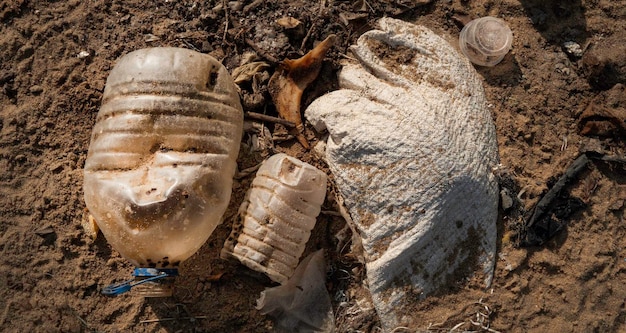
156, 287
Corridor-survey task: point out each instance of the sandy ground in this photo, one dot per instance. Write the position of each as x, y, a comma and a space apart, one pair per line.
52, 271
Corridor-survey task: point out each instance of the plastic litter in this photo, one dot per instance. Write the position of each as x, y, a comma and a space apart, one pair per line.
277, 217
302, 304
412, 147
486, 40
158, 175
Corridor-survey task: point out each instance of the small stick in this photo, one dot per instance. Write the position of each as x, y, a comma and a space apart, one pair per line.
331, 213
264, 117
81, 320
227, 19
191, 46
543, 205
5, 313
170, 319
616, 159
457, 326
322, 6
261, 52
247, 172
280, 138
308, 34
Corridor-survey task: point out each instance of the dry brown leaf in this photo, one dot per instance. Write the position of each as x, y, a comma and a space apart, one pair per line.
290, 80
215, 277
601, 121
247, 72
288, 22
90, 225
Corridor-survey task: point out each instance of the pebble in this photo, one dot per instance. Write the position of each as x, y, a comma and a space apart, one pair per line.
36, 89
83, 54
573, 49
563, 69
505, 199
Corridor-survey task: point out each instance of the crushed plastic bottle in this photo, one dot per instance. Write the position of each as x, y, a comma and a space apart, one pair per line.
158, 175
277, 217
486, 40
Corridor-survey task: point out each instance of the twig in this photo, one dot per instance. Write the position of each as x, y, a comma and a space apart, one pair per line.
483, 327
260, 51
542, 206
368, 5
5, 313
248, 171
82, 321
616, 159
147, 321
348, 57
534, 226
264, 117
522, 191
457, 326
191, 46
331, 213
308, 34
227, 18
322, 6
281, 138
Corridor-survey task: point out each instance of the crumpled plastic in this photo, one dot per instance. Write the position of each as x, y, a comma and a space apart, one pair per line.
302, 304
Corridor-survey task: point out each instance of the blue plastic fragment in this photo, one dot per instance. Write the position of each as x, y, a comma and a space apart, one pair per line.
142, 271
152, 274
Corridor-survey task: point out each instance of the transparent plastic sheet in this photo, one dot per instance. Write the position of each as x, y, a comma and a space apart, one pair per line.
302, 304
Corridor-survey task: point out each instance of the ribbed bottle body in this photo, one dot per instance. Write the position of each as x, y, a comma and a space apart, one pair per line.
277, 217
158, 175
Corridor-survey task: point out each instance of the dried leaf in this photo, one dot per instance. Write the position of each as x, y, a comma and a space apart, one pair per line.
44, 231
288, 22
89, 224
151, 38
347, 18
215, 277
246, 72
601, 121
288, 83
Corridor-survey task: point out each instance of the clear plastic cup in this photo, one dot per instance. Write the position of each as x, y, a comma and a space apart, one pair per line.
485, 41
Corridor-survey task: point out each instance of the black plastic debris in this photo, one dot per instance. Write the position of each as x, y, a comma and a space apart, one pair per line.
550, 214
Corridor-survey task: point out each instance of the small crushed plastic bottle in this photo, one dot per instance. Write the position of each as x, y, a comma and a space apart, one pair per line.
158, 175
277, 217
486, 40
